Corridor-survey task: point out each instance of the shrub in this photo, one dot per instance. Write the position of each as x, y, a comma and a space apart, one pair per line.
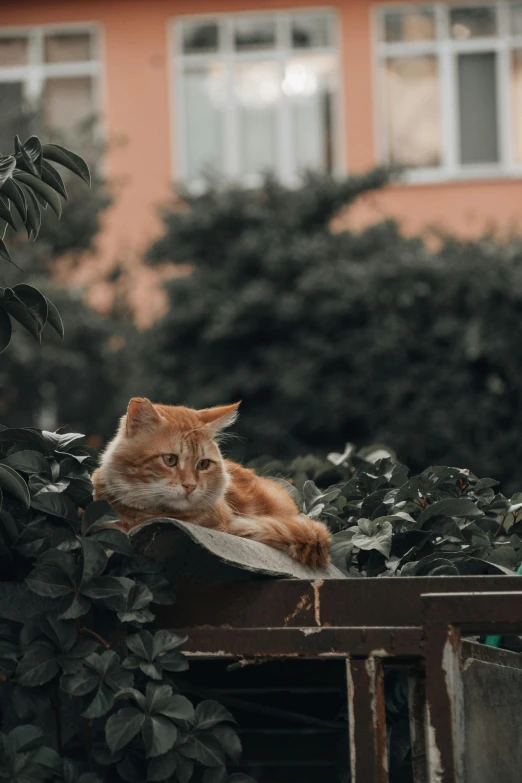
92, 655
386, 522
350, 336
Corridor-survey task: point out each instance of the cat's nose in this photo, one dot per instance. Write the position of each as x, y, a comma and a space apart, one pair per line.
189, 488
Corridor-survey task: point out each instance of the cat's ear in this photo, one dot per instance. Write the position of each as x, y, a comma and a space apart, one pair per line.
220, 417
141, 414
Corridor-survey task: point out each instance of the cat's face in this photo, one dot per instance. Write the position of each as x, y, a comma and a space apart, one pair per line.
165, 458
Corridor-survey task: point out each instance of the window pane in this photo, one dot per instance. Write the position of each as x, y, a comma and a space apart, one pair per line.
308, 84
251, 33
13, 51
413, 111
473, 22
68, 48
200, 38
67, 102
204, 95
11, 101
516, 98
310, 31
516, 19
478, 108
258, 91
416, 25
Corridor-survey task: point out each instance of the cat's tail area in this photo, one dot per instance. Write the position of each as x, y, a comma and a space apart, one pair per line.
302, 538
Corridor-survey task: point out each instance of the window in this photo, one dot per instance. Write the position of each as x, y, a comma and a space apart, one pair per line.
450, 88
52, 68
255, 93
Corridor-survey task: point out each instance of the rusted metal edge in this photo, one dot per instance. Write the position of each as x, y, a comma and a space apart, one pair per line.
331, 602
303, 642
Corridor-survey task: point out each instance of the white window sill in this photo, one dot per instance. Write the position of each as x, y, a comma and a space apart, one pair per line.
442, 176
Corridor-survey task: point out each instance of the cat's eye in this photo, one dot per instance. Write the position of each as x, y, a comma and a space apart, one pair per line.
170, 460
204, 464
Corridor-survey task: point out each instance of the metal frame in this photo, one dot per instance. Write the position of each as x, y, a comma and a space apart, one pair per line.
285, 166
446, 51
411, 622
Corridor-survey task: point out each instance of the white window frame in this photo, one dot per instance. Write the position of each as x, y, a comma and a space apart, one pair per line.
35, 72
279, 53
446, 50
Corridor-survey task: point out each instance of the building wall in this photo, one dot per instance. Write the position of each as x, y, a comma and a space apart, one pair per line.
136, 113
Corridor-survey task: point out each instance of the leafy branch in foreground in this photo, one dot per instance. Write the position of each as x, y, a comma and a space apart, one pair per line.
29, 183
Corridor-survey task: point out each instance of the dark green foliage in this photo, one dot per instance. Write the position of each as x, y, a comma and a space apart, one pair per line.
29, 183
350, 336
79, 382
94, 651
388, 523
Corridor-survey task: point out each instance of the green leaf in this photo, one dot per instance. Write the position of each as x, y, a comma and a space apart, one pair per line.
162, 768
34, 215
115, 540
94, 560
122, 727
209, 713
374, 534
176, 707
38, 666
24, 435
25, 737
15, 194
42, 189
54, 318
7, 166
184, 768
30, 153
68, 159
159, 735
6, 329
203, 748
97, 512
49, 582
341, 548
58, 505
12, 482
229, 741
81, 683
28, 306
73, 606
141, 644
4, 252
35, 302
53, 178
451, 507
27, 461
5, 214
105, 588
504, 555
164, 641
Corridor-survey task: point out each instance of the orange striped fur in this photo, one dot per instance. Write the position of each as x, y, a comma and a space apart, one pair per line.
164, 461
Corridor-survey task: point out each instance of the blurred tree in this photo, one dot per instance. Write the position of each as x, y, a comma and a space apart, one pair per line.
334, 337
76, 382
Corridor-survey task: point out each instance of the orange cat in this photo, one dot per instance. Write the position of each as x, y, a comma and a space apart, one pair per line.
164, 462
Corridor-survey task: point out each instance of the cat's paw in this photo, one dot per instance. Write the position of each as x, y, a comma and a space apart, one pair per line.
312, 548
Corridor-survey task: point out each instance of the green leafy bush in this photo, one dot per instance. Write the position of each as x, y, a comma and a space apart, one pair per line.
386, 522
92, 654
328, 337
